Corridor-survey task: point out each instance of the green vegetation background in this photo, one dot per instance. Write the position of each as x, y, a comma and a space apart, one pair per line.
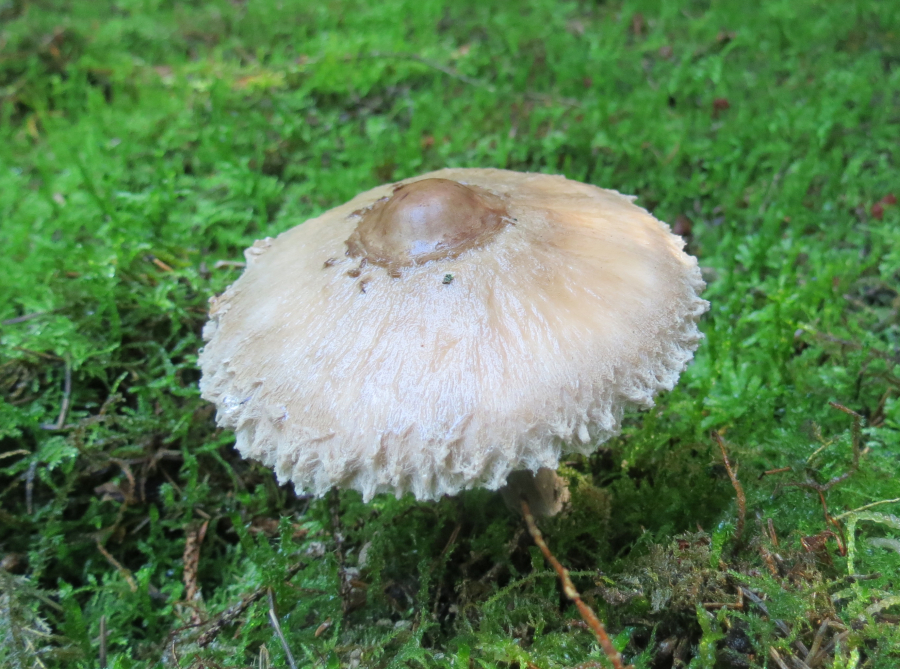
144, 144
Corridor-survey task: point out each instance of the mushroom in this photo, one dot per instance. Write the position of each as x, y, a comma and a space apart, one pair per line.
441, 332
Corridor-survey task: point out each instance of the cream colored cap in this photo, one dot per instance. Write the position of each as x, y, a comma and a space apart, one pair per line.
436, 334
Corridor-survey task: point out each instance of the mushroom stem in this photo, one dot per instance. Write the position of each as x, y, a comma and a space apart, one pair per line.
337, 533
546, 492
587, 614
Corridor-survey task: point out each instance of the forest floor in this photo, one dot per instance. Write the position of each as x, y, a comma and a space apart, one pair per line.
145, 144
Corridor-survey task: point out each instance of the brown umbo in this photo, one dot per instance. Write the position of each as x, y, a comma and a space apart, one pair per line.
431, 219
440, 333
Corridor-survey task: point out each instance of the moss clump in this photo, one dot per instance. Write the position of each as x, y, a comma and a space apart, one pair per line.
143, 146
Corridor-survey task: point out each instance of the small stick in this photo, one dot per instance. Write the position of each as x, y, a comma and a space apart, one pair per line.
852, 344
126, 574
455, 74
569, 589
191, 561
9, 454
829, 520
444, 553
321, 629
449, 71
29, 487
862, 508
102, 642
159, 263
738, 489
273, 618
775, 656
770, 561
335, 509
797, 662
132, 484
822, 488
780, 470
236, 610
714, 606
66, 400
40, 354
829, 647
839, 537
780, 624
22, 319
817, 642
264, 658
856, 438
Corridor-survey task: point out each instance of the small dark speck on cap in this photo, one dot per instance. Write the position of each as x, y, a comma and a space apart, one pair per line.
448, 278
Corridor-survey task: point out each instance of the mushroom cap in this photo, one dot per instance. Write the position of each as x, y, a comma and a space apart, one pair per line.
439, 333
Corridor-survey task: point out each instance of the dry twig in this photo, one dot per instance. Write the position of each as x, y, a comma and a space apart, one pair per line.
234, 611
66, 400
337, 534
586, 612
230, 264
102, 642
191, 560
866, 507
817, 642
822, 488
22, 319
273, 618
773, 536
783, 629
453, 73
738, 489
777, 658
824, 336
126, 574
780, 470
160, 264
9, 454
445, 69
448, 548
856, 438
29, 487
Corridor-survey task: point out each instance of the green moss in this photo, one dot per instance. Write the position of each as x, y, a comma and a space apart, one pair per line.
144, 145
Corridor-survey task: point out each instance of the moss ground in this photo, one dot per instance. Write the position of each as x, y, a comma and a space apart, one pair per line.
145, 143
